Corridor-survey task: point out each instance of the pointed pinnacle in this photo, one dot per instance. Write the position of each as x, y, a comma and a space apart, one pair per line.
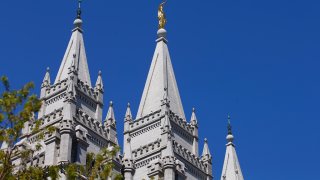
99, 82
206, 150
194, 120
79, 9
46, 79
110, 118
128, 115
229, 125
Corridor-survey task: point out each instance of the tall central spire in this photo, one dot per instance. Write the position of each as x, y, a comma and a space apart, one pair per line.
75, 54
161, 82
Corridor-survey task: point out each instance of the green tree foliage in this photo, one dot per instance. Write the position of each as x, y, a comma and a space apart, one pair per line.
18, 107
98, 166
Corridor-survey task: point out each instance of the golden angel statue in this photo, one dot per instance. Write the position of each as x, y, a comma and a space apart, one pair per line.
162, 16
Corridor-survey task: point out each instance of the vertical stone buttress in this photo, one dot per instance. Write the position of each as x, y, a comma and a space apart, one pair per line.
67, 128
194, 125
207, 159
168, 158
128, 164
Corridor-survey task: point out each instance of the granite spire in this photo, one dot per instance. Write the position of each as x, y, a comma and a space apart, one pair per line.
231, 167
160, 82
75, 55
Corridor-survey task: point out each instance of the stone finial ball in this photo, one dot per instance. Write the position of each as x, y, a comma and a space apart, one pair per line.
230, 137
77, 22
162, 33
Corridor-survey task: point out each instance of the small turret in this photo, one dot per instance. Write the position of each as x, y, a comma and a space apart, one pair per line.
45, 86
128, 116
99, 82
194, 120
206, 155
110, 124
110, 118
194, 125
45, 83
99, 90
127, 161
46, 80
127, 119
207, 159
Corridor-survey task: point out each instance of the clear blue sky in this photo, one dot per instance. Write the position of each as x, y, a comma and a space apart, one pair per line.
257, 60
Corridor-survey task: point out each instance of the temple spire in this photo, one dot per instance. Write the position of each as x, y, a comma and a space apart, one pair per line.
161, 82
231, 167
75, 58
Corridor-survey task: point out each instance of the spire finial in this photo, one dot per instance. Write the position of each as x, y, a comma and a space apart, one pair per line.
229, 125
79, 9
162, 16
206, 155
194, 120
128, 116
99, 82
162, 33
46, 79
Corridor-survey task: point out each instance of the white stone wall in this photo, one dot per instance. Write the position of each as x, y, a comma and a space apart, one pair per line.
182, 142
145, 138
52, 106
